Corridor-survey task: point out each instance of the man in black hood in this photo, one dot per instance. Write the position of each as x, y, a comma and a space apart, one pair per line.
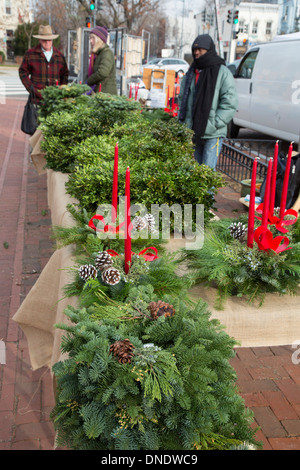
208, 100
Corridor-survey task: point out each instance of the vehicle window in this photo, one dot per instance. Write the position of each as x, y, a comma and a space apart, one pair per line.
246, 67
154, 61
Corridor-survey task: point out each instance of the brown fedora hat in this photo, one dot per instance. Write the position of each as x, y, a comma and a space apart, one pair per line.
45, 32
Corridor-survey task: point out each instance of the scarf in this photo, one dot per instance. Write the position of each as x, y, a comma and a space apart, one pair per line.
209, 64
90, 71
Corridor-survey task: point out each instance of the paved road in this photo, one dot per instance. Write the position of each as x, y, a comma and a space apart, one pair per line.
11, 85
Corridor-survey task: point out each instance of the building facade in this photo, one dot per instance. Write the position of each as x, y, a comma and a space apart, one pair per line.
12, 13
257, 23
289, 13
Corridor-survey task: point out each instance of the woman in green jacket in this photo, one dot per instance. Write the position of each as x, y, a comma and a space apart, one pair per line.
102, 68
208, 100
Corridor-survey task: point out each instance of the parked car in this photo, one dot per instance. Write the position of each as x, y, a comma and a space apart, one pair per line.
268, 87
169, 63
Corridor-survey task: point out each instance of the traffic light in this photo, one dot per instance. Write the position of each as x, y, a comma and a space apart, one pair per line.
92, 5
210, 18
236, 17
229, 16
88, 22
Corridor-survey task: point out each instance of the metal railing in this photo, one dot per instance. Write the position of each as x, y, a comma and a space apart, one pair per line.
237, 156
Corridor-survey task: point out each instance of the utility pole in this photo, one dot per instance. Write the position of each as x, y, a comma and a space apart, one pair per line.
218, 26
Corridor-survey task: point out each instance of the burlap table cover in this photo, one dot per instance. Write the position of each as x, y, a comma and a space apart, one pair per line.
44, 305
37, 155
277, 322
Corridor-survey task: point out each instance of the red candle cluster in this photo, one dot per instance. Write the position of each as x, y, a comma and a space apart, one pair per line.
127, 242
115, 186
269, 200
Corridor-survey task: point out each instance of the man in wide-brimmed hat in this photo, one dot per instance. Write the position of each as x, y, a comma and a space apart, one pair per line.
43, 65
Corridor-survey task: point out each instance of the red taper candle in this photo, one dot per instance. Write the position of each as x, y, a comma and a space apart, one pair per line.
266, 204
251, 214
127, 241
285, 185
115, 185
273, 181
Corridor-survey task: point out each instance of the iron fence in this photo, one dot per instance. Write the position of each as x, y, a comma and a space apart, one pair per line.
237, 156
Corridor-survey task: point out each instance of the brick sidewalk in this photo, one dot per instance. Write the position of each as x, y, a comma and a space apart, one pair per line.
267, 378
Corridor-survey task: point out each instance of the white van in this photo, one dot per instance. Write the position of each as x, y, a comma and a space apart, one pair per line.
268, 85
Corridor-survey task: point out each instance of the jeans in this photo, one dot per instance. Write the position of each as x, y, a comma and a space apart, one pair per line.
207, 151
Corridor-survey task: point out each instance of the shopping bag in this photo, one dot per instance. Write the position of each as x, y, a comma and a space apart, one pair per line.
29, 119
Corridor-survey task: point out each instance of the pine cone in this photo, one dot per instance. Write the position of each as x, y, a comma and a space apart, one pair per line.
111, 276
238, 230
87, 271
103, 260
139, 223
157, 309
122, 349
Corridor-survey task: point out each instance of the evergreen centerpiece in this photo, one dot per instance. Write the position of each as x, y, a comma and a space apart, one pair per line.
227, 263
136, 381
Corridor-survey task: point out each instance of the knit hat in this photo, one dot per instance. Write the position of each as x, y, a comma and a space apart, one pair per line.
101, 32
203, 41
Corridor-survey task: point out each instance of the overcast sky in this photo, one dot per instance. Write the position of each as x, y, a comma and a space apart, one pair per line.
175, 7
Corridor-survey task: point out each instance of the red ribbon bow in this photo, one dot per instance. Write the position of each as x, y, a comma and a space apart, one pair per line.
106, 228
265, 241
147, 255
279, 222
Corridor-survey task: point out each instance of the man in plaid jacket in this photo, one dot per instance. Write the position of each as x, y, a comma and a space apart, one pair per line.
43, 65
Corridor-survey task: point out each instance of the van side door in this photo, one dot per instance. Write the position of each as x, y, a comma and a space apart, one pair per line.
243, 82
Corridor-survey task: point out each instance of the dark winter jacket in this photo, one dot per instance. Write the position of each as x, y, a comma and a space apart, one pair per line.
104, 71
36, 71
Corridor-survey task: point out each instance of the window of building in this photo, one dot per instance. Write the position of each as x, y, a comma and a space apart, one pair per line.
8, 7
241, 26
254, 27
269, 27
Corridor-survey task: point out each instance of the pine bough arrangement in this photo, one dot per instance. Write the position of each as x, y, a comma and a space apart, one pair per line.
233, 268
146, 368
